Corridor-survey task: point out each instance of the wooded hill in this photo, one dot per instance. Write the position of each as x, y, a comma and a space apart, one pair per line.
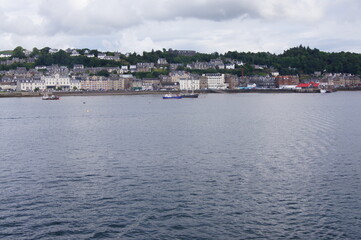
297, 60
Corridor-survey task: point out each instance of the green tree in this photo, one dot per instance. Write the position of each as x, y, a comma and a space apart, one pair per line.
45, 50
104, 73
18, 52
35, 52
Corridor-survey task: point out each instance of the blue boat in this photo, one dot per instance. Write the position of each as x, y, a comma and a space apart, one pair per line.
171, 96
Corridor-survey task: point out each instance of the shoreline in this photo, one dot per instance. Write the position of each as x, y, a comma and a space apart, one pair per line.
101, 93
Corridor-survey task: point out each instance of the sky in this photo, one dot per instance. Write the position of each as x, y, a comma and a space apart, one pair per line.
202, 25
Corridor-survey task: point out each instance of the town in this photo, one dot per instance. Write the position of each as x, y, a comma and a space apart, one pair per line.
75, 70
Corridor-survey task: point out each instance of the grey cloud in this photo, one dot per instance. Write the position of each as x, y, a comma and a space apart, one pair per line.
92, 17
103, 17
203, 24
208, 10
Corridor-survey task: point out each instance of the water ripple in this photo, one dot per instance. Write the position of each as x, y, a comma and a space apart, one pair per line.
247, 166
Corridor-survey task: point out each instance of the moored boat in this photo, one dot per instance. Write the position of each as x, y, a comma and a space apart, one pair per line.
190, 95
51, 97
172, 96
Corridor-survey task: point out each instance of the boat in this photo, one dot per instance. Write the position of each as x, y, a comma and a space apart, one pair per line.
189, 95
172, 96
323, 91
51, 97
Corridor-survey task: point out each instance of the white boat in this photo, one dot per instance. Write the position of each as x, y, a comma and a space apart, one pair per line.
172, 96
51, 97
323, 91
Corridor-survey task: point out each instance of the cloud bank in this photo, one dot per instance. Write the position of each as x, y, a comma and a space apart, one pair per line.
202, 25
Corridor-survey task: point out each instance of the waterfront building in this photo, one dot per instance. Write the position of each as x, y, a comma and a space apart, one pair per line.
189, 84
96, 83
263, 81
30, 85
216, 81
203, 82
8, 86
57, 82
136, 85
287, 82
231, 80
120, 82
149, 84
308, 85
74, 84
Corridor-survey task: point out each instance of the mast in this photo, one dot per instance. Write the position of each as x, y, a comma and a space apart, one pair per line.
192, 85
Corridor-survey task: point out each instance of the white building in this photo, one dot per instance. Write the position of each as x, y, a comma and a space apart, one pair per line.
78, 66
30, 85
75, 84
215, 81
7, 86
251, 85
230, 66
133, 68
56, 81
287, 86
162, 61
5, 55
74, 53
40, 68
189, 84
101, 55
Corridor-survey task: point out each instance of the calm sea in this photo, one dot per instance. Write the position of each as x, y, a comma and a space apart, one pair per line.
223, 166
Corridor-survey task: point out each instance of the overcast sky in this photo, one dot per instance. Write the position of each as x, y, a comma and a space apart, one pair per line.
201, 25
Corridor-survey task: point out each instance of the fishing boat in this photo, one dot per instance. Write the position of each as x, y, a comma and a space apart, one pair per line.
172, 96
190, 95
50, 97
